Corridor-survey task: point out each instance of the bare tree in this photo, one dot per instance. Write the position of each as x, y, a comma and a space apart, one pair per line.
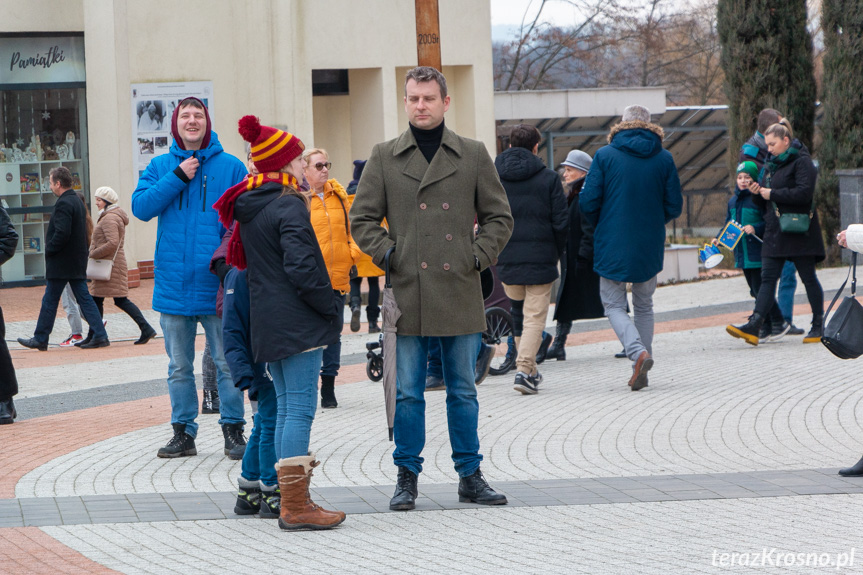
542, 54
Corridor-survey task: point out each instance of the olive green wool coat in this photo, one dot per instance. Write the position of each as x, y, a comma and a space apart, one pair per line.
430, 210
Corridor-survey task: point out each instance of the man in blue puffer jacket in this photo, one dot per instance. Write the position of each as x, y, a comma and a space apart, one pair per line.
180, 189
631, 192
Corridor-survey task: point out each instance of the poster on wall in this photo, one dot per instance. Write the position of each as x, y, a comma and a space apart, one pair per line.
152, 107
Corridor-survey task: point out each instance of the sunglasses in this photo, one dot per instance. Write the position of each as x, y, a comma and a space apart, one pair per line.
320, 166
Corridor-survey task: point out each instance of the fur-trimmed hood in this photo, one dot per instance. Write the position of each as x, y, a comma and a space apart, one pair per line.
637, 138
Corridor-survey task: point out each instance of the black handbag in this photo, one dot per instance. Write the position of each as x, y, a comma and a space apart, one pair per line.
843, 334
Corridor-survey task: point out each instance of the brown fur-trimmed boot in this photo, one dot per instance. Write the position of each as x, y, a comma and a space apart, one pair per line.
298, 509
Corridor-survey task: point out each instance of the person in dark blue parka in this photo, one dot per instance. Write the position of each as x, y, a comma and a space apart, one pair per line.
631, 192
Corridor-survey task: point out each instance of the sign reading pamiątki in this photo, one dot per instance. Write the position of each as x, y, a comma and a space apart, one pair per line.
41, 60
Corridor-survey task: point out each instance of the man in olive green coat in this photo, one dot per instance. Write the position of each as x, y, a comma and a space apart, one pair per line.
431, 185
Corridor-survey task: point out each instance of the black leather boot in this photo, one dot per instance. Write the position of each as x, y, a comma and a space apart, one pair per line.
854, 471
235, 443
749, 331
558, 350
817, 329
328, 392
543, 347
356, 305
405, 496
181, 445
7, 412
475, 489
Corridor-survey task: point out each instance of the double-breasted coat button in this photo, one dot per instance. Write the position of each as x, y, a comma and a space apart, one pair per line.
446, 267
422, 206
449, 237
445, 206
424, 265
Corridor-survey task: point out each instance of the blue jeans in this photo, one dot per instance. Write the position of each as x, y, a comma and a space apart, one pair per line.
459, 364
260, 458
179, 333
50, 301
333, 352
787, 286
296, 381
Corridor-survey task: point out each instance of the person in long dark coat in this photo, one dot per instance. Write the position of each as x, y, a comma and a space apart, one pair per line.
8, 381
578, 295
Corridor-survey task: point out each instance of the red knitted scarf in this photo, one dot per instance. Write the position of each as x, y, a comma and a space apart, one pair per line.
236, 255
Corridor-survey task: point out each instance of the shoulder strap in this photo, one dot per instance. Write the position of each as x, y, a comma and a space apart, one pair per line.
344, 211
852, 273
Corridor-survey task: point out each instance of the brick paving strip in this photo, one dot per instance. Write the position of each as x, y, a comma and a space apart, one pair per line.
30, 550
148, 507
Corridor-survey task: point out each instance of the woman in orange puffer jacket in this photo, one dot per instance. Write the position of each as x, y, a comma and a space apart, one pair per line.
330, 205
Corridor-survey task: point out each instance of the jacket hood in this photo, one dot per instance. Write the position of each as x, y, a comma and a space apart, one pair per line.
250, 203
116, 211
334, 185
517, 164
637, 138
176, 134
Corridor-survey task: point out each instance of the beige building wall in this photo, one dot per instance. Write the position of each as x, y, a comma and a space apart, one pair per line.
260, 54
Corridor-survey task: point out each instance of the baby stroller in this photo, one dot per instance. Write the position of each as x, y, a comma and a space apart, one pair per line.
498, 332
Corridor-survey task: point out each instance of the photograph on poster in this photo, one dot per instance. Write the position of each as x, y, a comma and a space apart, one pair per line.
145, 145
151, 115
152, 106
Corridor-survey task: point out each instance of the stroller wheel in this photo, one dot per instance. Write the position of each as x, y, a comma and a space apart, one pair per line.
498, 324
375, 368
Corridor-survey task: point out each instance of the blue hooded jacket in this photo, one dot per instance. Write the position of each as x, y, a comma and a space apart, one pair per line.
630, 193
237, 336
189, 230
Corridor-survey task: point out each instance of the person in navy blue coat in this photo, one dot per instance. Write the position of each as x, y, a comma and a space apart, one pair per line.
258, 484
631, 192
179, 188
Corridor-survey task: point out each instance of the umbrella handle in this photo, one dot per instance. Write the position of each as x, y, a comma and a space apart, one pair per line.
387, 282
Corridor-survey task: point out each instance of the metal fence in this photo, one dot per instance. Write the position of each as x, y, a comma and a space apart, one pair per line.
704, 213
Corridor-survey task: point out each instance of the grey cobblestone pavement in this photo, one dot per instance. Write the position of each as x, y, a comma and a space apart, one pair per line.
731, 449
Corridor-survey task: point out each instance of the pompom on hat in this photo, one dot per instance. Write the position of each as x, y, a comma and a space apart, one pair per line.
107, 194
272, 149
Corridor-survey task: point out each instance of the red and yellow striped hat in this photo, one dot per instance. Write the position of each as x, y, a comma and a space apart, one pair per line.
272, 149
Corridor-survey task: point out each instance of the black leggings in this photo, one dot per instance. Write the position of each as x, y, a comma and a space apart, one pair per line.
127, 306
771, 269
8, 382
753, 279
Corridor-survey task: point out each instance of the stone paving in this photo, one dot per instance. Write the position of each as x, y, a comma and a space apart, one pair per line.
731, 449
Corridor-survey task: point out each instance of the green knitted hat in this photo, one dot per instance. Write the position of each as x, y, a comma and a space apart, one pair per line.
750, 168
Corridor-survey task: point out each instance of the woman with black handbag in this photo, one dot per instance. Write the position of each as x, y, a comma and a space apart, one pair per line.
786, 190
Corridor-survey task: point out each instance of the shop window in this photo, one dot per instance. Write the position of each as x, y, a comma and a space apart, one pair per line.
43, 125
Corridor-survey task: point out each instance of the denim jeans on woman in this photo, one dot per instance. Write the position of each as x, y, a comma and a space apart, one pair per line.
331, 361
180, 333
458, 355
296, 381
259, 459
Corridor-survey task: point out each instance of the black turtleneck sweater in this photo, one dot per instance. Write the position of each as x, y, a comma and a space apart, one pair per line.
428, 140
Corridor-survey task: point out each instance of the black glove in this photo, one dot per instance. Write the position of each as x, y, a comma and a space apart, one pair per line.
221, 269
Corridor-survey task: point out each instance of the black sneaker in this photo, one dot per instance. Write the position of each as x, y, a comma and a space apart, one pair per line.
434, 383
248, 501
181, 445
795, 330
235, 443
777, 332
211, 403
527, 384
271, 504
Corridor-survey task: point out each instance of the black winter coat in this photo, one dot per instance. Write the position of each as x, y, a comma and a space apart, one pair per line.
538, 207
578, 296
66, 247
8, 237
294, 308
792, 187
